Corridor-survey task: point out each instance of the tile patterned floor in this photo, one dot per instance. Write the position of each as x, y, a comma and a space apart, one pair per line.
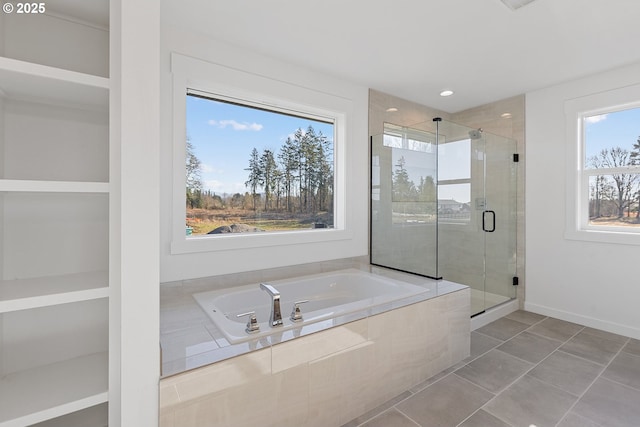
524, 370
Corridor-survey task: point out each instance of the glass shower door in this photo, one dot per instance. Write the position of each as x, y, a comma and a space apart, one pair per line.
477, 213
461, 206
500, 178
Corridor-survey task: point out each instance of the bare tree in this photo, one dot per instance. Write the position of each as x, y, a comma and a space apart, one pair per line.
617, 157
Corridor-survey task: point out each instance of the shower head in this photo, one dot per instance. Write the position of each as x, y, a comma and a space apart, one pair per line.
475, 133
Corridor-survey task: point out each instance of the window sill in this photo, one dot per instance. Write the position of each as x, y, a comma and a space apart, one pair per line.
612, 237
259, 240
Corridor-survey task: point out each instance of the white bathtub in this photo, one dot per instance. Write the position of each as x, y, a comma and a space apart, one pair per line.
330, 295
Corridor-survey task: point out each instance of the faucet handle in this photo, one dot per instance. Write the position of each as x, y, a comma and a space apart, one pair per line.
252, 323
296, 315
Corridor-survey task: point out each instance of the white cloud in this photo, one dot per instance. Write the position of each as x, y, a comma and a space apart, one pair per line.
596, 119
210, 169
236, 125
220, 187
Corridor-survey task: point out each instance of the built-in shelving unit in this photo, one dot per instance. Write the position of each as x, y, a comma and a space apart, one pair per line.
33, 186
54, 216
50, 391
29, 81
25, 294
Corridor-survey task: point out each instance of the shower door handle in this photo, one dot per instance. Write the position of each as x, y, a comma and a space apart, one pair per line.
484, 221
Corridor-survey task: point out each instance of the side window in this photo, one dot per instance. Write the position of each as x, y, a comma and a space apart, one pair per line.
610, 172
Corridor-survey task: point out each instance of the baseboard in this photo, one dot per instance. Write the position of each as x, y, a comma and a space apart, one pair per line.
494, 314
591, 322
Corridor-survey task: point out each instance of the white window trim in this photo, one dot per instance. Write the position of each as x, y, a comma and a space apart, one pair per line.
577, 201
219, 81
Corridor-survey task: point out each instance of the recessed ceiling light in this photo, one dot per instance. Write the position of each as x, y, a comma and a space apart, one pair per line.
505, 115
446, 93
391, 110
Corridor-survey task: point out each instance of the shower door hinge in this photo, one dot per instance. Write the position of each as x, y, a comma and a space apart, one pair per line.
516, 157
515, 281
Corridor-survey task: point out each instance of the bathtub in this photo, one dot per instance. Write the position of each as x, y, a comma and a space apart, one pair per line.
329, 295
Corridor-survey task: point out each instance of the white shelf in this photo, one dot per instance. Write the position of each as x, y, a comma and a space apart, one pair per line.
26, 294
17, 185
54, 390
35, 82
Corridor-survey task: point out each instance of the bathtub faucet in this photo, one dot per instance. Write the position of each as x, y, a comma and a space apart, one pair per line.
276, 316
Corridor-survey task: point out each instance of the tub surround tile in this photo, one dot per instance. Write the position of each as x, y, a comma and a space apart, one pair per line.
167, 420
483, 419
182, 318
556, 329
316, 346
391, 418
592, 347
219, 377
168, 398
494, 371
445, 403
345, 385
503, 328
529, 401
625, 369
567, 372
530, 347
183, 344
610, 404
305, 381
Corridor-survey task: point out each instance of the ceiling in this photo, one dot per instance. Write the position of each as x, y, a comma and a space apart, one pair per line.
414, 49
481, 49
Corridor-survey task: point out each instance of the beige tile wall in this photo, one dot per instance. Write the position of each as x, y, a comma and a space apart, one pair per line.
325, 379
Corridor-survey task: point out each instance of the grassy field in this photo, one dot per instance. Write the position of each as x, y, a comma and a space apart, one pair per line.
203, 221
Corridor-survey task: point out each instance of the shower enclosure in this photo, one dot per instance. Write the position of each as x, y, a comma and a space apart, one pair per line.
443, 205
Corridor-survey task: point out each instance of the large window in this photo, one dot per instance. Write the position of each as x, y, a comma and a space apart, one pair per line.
603, 175
268, 164
255, 169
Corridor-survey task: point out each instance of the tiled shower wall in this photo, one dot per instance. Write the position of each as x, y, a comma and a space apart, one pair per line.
489, 118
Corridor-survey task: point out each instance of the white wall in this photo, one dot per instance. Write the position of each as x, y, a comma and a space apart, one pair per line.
192, 265
594, 284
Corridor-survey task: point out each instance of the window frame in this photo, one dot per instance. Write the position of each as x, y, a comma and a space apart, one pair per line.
190, 74
577, 225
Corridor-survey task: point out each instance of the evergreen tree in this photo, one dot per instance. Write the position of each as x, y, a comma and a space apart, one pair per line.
193, 178
403, 188
254, 175
267, 175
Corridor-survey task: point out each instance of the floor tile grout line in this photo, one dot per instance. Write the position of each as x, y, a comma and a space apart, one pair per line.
525, 373
477, 385
408, 417
592, 383
533, 365
388, 409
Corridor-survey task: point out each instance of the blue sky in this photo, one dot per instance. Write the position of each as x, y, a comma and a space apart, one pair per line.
224, 134
619, 129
